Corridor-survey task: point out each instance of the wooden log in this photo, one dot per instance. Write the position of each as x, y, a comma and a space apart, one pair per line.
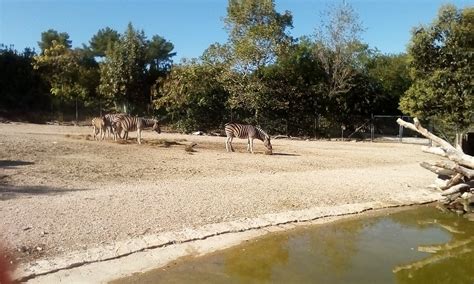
453, 181
457, 168
437, 170
455, 189
447, 149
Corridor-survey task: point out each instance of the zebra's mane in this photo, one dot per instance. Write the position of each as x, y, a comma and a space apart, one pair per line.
149, 122
262, 133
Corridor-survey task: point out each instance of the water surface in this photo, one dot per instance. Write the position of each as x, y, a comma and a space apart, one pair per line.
422, 245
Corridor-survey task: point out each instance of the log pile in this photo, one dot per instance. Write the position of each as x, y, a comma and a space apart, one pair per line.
455, 173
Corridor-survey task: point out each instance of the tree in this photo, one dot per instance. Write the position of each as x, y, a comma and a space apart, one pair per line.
441, 66
338, 47
133, 65
193, 97
122, 74
103, 40
51, 35
62, 69
21, 88
392, 75
257, 35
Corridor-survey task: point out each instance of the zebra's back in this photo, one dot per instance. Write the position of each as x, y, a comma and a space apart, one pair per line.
241, 131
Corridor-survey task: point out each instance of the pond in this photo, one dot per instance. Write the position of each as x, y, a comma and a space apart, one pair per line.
421, 245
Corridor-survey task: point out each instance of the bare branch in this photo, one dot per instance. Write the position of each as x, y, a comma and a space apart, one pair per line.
450, 152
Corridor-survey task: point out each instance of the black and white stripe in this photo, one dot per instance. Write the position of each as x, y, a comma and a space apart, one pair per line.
98, 125
109, 122
245, 131
129, 123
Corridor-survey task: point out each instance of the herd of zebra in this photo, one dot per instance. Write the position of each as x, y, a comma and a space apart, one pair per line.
119, 125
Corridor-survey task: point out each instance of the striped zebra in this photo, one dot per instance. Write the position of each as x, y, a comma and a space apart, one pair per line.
248, 132
109, 122
98, 125
129, 123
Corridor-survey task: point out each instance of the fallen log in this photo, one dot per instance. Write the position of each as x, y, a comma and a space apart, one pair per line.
455, 189
437, 169
455, 178
444, 149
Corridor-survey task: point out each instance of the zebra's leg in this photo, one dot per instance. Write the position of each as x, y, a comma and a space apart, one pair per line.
227, 144
93, 131
248, 144
251, 145
139, 136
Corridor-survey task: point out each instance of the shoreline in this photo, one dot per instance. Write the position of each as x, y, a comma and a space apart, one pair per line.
122, 259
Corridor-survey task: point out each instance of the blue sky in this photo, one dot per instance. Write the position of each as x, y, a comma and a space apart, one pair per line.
192, 25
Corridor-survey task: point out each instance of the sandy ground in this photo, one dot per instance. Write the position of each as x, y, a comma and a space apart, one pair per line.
61, 192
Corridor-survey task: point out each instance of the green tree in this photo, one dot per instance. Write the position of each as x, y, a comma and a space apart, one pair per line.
62, 69
441, 66
391, 73
122, 74
130, 72
193, 98
257, 35
295, 86
21, 88
103, 40
339, 49
51, 35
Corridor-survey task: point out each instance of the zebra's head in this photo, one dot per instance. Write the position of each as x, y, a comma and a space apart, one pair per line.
156, 127
266, 142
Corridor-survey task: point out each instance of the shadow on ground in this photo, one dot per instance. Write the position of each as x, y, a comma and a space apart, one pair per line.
285, 154
11, 164
11, 191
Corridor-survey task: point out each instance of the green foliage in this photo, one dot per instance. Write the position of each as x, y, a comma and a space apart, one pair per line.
339, 48
193, 98
391, 73
441, 66
51, 35
21, 88
103, 40
61, 68
257, 35
131, 68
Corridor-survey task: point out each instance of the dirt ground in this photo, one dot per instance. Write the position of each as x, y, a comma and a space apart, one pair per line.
61, 191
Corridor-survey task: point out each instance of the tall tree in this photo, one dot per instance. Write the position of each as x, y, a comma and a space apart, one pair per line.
392, 74
62, 69
131, 69
51, 35
21, 88
257, 35
102, 40
441, 66
193, 98
338, 47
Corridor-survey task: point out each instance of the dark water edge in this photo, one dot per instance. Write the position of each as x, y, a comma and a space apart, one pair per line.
419, 245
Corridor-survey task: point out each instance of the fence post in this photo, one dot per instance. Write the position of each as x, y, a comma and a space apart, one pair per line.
400, 132
372, 128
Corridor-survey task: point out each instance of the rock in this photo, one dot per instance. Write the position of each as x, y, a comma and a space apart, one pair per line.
466, 195
469, 216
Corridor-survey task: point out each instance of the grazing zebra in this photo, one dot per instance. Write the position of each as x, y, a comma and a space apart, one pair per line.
129, 123
109, 122
245, 131
98, 125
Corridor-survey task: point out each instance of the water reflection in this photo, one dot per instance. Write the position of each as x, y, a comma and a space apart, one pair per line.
422, 245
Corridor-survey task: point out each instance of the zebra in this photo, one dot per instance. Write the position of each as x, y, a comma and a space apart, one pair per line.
98, 125
245, 131
129, 123
109, 122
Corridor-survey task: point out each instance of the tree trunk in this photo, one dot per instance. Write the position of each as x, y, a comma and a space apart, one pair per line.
77, 113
